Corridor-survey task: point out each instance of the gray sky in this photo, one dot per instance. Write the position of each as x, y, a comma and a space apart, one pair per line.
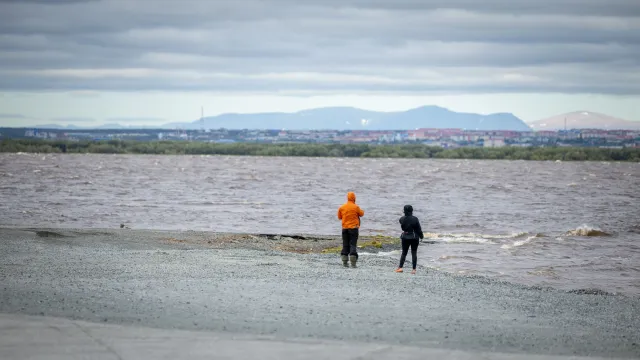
86, 62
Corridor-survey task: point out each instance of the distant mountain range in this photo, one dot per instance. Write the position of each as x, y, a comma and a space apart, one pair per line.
349, 118
584, 120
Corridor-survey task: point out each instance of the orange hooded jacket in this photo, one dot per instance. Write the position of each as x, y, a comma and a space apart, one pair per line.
350, 213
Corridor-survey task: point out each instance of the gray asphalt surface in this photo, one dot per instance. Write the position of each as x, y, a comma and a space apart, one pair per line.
133, 277
53, 338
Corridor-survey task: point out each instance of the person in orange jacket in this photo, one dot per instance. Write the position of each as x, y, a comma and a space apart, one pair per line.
350, 214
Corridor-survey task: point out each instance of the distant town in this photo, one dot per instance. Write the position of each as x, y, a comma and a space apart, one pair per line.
446, 138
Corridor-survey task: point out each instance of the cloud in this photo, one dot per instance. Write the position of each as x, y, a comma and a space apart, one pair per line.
72, 119
133, 119
403, 46
12, 116
85, 94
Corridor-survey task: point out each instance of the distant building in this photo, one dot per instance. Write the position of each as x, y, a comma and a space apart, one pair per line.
494, 142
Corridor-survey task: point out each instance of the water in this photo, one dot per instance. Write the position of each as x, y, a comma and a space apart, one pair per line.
518, 221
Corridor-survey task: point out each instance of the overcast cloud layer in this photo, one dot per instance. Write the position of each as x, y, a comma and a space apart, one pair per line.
404, 46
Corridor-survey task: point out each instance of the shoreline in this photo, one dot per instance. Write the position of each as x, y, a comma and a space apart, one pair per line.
324, 150
290, 243
327, 157
178, 280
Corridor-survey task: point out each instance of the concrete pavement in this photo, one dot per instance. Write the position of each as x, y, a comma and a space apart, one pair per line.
39, 337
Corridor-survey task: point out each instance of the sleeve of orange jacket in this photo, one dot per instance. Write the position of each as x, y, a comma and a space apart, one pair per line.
360, 211
340, 213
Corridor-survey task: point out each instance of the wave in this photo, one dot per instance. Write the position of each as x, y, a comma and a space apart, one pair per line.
586, 230
223, 203
505, 187
635, 229
467, 240
381, 253
474, 237
519, 243
137, 206
544, 271
467, 226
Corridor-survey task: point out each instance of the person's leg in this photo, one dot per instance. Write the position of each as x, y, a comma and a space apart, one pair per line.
353, 243
344, 254
414, 253
405, 250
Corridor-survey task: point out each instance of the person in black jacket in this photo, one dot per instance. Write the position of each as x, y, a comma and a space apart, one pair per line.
411, 235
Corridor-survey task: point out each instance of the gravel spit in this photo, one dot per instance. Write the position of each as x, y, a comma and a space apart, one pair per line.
246, 284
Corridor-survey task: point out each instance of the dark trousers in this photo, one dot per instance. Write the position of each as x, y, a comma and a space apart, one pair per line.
414, 251
349, 242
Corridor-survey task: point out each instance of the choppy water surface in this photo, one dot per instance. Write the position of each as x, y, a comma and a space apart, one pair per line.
518, 221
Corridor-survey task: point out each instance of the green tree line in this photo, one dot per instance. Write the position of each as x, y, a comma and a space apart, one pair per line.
318, 150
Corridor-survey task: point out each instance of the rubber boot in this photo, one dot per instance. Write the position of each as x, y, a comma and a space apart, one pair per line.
345, 260
353, 259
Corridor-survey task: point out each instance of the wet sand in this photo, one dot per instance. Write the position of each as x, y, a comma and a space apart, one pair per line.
249, 284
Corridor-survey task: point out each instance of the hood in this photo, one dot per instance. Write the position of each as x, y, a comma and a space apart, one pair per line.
351, 196
408, 209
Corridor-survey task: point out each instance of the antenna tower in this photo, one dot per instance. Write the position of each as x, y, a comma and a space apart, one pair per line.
202, 118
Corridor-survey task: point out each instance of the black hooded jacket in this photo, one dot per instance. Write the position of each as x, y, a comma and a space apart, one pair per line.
410, 223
